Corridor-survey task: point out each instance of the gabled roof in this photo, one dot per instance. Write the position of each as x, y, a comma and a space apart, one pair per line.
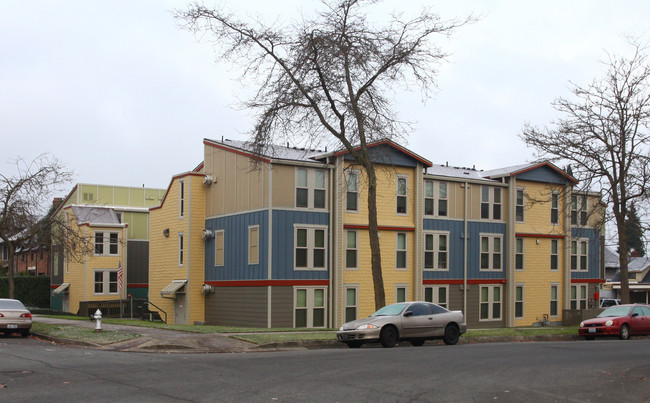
95, 215
611, 258
517, 170
272, 152
385, 143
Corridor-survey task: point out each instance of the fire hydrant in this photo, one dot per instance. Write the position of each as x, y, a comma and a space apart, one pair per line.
98, 320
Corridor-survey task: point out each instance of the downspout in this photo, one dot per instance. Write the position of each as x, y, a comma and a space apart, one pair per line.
510, 273
465, 237
332, 262
419, 217
188, 240
566, 292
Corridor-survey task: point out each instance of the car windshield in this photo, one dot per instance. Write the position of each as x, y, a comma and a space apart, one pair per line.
391, 310
11, 304
617, 310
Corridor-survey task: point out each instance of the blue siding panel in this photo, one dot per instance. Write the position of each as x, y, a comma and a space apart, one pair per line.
385, 154
543, 174
593, 254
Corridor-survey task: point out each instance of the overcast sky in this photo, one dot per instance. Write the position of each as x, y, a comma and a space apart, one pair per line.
122, 96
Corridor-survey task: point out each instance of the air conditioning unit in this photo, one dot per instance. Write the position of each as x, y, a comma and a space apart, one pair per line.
208, 180
207, 234
207, 289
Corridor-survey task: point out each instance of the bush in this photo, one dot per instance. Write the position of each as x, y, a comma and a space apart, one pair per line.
32, 291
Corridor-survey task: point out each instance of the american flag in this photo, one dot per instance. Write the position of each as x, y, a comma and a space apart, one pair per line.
119, 275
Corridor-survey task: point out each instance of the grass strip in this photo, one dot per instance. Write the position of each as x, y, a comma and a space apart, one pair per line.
84, 334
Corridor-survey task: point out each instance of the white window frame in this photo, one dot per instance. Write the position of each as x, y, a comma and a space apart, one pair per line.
490, 302
106, 243
433, 192
491, 202
520, 253
309, 305
578, 298
354, 248
399, 287
579, 215
519, 300
181, 198
352, 187
578, 255
310, 187
348, 305
181, 249
555, 299
491, 252
434, 296
555, 207
253, 244
403, 251
310, 245
436, 251
399, 195
219, 250
555, 253
520, 204
106, 282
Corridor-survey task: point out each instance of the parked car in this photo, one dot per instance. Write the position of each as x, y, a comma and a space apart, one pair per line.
405, 321
607, 302
14, 317
618, 320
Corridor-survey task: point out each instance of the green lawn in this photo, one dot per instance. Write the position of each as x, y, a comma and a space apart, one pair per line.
82, 333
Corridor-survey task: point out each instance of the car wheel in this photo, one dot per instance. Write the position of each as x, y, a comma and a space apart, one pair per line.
451, 334
24, 333
388, 336
417, 342
625, 332
354, 344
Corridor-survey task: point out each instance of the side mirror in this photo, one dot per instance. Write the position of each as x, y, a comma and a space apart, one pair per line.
635, 314
408, 313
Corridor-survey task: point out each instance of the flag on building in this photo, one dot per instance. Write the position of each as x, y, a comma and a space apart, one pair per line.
119, 275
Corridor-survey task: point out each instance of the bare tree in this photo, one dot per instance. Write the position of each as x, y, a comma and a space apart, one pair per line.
604, 136
24, 202
326, 80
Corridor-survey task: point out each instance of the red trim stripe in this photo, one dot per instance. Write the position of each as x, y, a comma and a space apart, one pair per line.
266, 283
473, 281
551, 236
381, 228
137, 285
587, 280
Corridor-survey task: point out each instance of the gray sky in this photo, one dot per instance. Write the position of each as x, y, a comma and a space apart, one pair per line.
122, 96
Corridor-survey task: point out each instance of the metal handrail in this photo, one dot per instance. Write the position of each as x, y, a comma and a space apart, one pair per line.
158, 308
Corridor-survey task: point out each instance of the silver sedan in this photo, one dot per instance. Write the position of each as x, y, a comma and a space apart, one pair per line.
14, 317
409, 321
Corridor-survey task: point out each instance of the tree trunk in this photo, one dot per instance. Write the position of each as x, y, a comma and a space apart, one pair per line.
623, 260
377, 277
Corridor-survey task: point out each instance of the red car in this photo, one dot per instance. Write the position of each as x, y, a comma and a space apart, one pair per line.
619, 320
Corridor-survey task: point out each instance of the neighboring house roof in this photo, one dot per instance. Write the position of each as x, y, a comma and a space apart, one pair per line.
95, 215
611, 258
635, 265
517, 170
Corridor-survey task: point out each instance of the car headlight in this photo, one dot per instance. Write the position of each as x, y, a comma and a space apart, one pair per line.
609, 323
368, 326
582, 324
341, 329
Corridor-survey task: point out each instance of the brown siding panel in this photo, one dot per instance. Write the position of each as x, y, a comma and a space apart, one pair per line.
237, 306
282, 308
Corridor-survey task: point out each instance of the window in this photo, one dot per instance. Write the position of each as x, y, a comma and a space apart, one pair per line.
437, 294
519, 206
490, 305
519, 301
554, 300
400, 251
490, 197
554, 254
351, 250
253, 244
435, 198
436, 251
181, 198
491, 252
579, 250
401, 194
400, 293
519, 254
55, 263
218, 248
311, 181
351, 304
578, 297
107, 243
578, 210
352, 191
309, 307
181, 249
555, 209
310, 248
106, 282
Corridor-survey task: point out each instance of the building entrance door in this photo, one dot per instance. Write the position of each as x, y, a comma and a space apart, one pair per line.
179, 309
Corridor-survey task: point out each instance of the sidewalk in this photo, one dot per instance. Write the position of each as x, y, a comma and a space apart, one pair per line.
154, 340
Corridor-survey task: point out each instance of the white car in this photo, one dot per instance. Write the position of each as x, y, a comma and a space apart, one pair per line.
14, 317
